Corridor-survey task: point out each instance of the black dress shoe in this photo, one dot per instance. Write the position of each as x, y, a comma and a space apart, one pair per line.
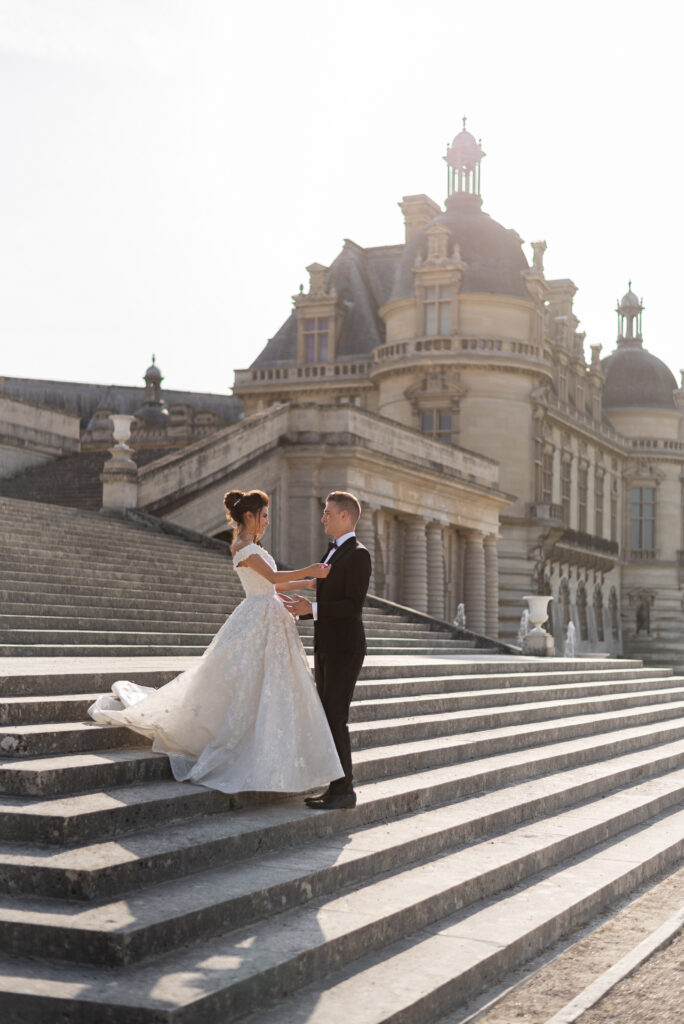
331, 802
319, 796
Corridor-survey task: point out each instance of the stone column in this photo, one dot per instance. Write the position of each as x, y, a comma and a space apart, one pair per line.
474, 588
365, 531
415, 582
435, 565
491, 561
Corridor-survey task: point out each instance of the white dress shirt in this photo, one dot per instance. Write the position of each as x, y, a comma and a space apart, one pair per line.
338, 544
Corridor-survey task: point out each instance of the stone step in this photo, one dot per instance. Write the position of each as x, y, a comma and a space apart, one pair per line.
92, 575
149, 923
83, 675
101, 870
365, 708
425, 736
182, 591
82, 637
67, 773
194, 622
434, 922
59, 774
117, 811
62, 551
438, 968
167, 649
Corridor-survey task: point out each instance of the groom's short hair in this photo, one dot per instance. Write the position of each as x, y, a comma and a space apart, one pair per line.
347, 502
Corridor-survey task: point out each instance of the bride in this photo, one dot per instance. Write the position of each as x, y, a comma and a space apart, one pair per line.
247, 716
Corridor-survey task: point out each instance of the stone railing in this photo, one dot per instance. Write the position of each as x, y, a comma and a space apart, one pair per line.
258, 376
664, 443
203, 462
174, 478
546, 511
458, 346
590, 542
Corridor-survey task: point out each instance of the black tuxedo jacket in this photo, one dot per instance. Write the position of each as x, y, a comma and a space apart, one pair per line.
340, 597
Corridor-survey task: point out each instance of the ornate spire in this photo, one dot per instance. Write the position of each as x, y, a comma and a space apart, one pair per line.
629, 310
463, 158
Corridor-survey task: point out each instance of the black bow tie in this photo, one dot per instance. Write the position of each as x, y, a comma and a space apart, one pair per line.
331, 544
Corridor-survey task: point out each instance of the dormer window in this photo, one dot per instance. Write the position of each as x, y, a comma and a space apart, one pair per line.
437, 310
316, 335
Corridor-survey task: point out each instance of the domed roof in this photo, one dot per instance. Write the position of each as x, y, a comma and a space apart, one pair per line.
464, 151
493, 254
153, 372
636, 379
629, 302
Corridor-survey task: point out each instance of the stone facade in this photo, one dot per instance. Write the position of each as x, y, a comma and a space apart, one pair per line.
455, 336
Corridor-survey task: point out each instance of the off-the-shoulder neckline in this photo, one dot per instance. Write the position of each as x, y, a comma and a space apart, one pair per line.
245, 547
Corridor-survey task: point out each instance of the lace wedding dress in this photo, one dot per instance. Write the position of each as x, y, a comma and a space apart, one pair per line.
247, 716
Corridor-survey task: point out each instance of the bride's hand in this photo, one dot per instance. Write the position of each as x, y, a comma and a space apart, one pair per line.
319, 570
306, 585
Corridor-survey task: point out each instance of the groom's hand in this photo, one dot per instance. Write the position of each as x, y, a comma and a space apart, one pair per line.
300, 606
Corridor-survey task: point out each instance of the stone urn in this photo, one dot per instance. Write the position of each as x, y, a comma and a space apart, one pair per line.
538, 642
119, 476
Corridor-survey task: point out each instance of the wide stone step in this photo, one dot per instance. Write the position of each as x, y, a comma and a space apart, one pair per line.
169, 649
86, 675
440, 966
148, 923
27, 600
521, 726
559, 888
116, 579
146, 554
74, 707
103, 869
408, 686
192, 623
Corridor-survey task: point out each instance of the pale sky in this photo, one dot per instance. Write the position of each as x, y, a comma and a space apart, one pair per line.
170, 167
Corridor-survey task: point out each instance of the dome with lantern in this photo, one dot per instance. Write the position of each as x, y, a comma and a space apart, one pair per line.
634, 377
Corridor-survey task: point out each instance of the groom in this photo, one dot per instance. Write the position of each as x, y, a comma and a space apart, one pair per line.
339, 639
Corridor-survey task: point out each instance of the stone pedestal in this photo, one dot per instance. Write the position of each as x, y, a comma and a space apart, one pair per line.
474, 584
119, 476
435, 565
538, 645
491, 560
415, 583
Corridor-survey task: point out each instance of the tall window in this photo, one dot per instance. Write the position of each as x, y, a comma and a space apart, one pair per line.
437, 423
598, 503
547, 477
642, 519
582, 489
566, 478
613, 509
437, 310
316, 334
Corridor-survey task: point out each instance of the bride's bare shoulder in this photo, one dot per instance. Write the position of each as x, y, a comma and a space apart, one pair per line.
243, 552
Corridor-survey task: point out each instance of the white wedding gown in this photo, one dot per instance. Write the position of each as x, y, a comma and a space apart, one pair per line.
247, 716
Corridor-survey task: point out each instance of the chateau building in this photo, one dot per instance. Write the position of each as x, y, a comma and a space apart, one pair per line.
454, 337
444, 380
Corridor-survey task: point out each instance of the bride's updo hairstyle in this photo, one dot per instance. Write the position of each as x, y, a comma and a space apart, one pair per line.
239, 502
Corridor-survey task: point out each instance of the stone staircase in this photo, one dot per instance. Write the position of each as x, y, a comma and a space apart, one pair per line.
73, 480
503, 801
501, 804
77, 583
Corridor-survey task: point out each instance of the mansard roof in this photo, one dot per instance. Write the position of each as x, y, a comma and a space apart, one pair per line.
362, 279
